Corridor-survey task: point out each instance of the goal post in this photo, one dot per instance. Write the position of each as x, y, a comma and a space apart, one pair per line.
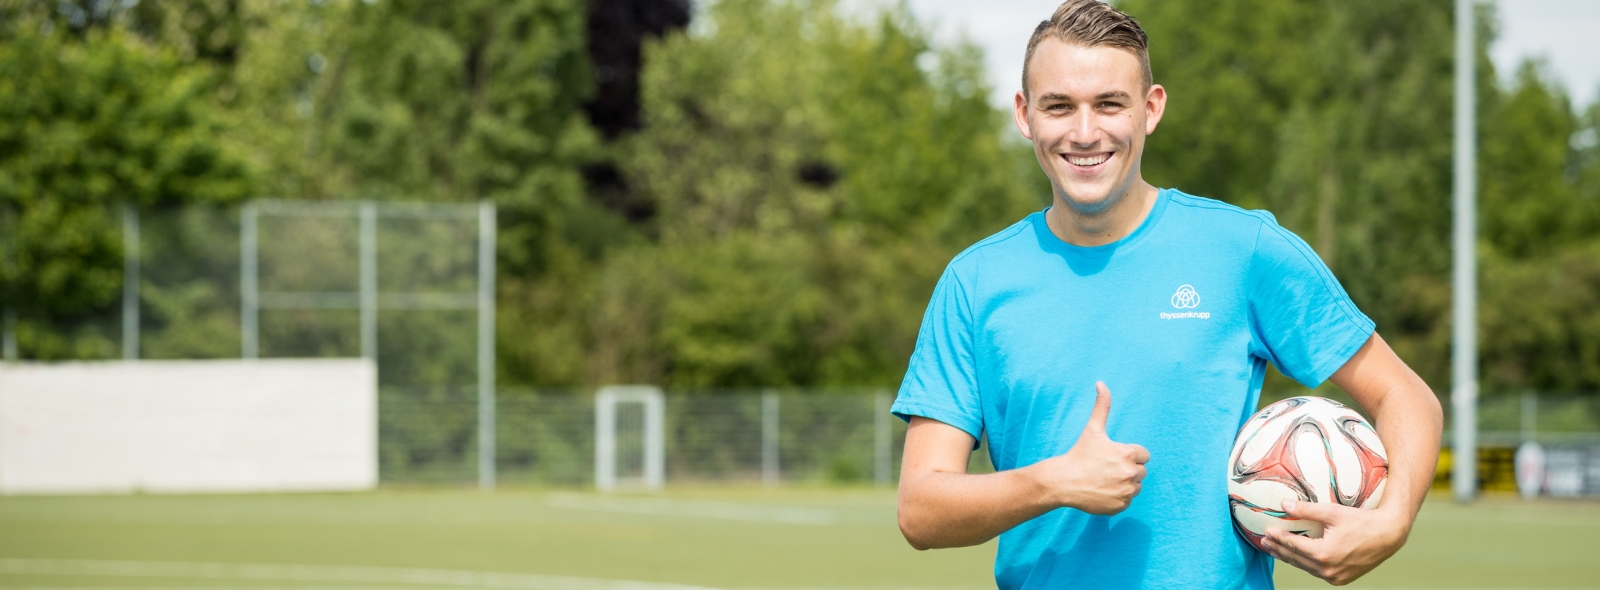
606, 402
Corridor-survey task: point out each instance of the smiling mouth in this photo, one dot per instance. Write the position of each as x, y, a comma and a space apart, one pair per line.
1088, 160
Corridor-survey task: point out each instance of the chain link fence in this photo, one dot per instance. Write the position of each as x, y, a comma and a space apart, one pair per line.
422, 266
548, 437
807, 437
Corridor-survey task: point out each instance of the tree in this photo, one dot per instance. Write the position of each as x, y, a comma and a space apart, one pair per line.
1541, 240
1337, 118
811, 175
90, 119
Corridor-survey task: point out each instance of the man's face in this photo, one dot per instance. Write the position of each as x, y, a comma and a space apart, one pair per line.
1088, 115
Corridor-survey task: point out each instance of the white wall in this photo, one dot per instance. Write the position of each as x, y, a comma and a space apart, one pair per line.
189, 426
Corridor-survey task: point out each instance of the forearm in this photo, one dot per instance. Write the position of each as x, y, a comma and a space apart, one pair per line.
1408, 417
1410, 422
941, 505
941, 509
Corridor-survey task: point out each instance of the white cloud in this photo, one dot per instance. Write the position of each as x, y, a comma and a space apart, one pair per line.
1566, 33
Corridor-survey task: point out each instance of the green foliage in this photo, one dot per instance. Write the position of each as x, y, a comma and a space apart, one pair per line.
460, 101
90, 120
1541, 249
1337, 118
807, 176
754, 275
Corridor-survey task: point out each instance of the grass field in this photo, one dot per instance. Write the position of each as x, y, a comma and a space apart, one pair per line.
716, 538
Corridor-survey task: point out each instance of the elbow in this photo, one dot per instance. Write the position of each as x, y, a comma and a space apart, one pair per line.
912, 532
1433, 407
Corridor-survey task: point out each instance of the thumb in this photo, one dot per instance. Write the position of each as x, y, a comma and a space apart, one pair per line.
1102, 410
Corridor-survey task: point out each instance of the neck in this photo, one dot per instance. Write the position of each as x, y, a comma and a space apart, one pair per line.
1102, 227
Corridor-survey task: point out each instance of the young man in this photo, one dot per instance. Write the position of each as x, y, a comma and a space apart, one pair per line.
1176, 303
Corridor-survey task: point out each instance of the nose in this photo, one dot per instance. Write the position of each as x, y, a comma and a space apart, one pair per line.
1083, 132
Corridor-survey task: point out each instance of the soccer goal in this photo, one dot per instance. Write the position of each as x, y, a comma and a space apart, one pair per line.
629, 449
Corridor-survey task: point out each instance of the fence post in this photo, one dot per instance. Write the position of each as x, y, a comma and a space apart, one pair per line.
605, 440
130, 282
10, 336
249, 293
1464, 279
880, 419
368, 252
487, 229
769, 438
1530, 415
655, 444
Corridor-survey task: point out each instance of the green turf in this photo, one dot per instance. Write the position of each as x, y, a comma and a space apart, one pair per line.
723, 538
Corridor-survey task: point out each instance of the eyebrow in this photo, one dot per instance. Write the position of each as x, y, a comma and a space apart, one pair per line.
1101, 96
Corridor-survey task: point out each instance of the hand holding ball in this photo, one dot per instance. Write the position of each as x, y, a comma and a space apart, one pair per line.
1308, 449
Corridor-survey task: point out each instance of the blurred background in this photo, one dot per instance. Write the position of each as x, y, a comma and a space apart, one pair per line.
504, 206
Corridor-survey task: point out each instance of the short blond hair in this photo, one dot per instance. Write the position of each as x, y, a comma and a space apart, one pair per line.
1091, 23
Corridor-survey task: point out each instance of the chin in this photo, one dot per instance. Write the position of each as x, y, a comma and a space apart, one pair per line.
1098, 201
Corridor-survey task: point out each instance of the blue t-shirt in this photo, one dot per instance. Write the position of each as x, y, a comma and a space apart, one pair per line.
1180, 319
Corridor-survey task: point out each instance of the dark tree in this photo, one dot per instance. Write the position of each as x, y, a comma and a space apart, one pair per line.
617, 29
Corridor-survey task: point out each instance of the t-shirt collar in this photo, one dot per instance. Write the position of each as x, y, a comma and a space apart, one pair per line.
1049, 240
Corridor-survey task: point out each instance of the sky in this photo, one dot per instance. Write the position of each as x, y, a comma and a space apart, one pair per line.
1566, 33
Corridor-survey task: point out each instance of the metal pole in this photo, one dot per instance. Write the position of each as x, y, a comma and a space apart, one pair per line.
880, 431
769, 438
486, 255
1464, 343
1530, 415
8, 317
369, 280
655, 447
130, 282
605, 440
249, 293
10, 337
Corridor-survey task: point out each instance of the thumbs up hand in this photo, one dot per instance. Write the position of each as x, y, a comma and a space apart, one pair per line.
1098, 475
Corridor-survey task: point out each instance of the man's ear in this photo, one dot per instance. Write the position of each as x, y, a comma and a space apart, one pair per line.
1155, 105
1020, 113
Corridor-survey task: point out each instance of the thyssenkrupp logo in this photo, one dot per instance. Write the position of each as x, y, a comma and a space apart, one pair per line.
1186, 298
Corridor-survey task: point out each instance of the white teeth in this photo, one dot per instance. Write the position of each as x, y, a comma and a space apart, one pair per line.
1089, 161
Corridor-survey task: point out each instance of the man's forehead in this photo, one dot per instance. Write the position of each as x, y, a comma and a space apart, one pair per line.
1080, 71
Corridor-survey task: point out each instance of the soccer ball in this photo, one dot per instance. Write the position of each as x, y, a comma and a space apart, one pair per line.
1310, 449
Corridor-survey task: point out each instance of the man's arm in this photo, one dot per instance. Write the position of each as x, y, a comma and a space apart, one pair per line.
941, 505
1409, 421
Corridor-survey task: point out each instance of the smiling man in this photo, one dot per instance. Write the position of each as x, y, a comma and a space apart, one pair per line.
1175, 302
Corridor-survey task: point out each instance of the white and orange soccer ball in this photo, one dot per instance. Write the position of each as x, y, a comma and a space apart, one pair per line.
1309, 449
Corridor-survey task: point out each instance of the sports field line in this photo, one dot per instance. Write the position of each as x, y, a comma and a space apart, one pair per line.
322, 573
694, 509
295, 587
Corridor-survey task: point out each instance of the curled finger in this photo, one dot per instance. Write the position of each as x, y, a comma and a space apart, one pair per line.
1290, 556
1140, 454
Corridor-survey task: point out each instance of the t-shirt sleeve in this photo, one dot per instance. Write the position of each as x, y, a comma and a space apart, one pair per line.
941, 382
1301, 319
